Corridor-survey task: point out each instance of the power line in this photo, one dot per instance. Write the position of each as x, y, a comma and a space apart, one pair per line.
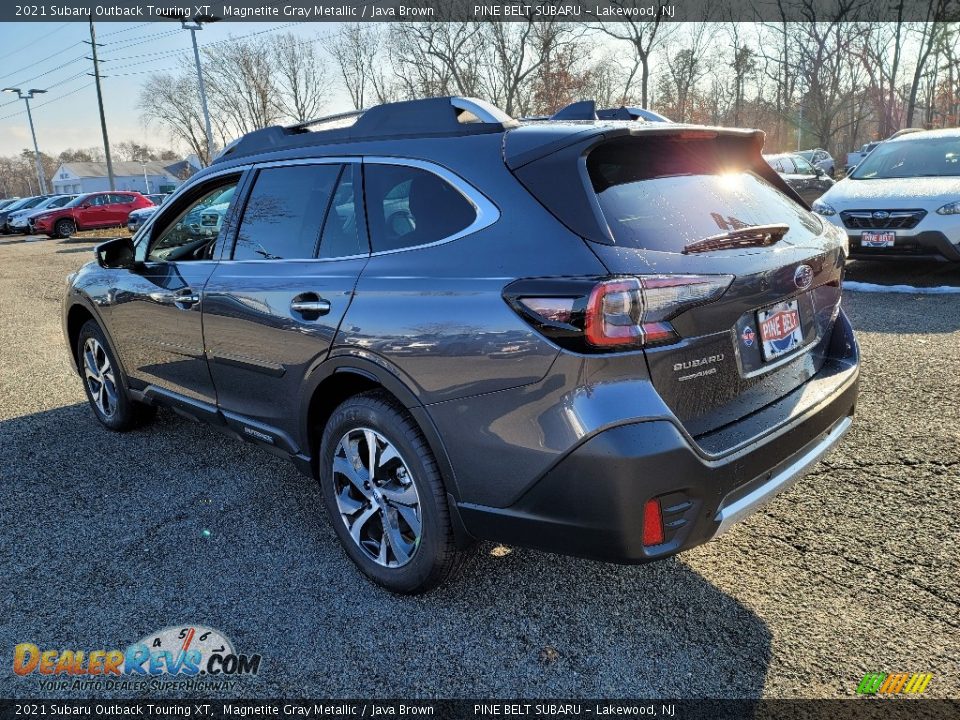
48, 102
129, 29
29, 44
33, 64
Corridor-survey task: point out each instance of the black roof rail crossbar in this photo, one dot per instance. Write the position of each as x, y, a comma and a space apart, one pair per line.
583, 110
430, 116
620, 113
587, 110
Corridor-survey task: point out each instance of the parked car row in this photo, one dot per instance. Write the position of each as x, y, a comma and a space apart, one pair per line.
60, 216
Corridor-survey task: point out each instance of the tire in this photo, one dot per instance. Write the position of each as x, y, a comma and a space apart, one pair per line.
105, 384
64, 228
406, 489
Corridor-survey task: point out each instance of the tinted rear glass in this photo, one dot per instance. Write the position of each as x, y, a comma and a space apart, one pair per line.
662, 196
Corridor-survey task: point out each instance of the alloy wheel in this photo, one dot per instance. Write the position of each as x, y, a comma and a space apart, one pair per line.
376, 497
100, 377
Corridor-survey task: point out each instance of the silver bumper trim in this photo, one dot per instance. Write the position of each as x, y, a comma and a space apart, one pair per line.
784, 480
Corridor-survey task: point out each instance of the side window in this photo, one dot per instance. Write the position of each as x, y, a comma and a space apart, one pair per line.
341, 236
193, 233
284, 215
122, 199
98, 200
803, 166
407, 206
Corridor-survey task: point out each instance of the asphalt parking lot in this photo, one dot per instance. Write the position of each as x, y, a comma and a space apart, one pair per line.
108, 537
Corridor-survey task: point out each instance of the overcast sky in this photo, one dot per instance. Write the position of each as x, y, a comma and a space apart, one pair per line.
51, 56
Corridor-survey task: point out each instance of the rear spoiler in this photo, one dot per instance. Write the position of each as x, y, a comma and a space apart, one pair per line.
539, 154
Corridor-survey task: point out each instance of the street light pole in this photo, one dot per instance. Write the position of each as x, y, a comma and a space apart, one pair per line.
41, 180
193, 26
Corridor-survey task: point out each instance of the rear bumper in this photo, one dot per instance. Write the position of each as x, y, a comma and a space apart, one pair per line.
590, 503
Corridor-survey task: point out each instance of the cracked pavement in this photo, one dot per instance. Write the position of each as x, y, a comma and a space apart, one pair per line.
854, 570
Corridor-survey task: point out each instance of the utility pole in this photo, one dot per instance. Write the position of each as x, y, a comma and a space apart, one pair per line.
41, 180
193, 26
103, 118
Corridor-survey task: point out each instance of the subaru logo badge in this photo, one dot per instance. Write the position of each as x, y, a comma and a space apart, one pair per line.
803, 276
880, 215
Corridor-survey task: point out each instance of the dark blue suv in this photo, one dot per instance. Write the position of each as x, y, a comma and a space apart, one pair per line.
610, 339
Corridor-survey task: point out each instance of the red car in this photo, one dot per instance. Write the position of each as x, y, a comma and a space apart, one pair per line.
93, 210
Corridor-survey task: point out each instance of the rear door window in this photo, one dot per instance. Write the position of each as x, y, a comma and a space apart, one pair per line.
666, 196
341, 233
284, 215
408, 206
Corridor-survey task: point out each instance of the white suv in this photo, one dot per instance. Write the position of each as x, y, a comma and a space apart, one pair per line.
902, 199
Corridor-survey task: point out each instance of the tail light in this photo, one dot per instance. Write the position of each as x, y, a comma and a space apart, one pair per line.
620, 313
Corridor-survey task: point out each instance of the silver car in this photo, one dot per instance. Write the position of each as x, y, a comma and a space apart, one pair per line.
902, 199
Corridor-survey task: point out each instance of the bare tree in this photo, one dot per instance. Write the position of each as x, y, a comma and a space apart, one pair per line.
644, 37
359, 53
241, 85
303, 82
171, 101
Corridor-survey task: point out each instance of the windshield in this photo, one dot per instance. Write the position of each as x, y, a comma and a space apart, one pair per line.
919, 157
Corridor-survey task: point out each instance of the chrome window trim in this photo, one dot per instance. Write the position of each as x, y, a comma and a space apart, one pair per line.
486, 212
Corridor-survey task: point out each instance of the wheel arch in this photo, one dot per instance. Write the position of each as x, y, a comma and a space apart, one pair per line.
342, 377
77, 316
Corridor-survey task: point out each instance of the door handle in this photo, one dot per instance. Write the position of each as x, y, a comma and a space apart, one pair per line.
320, 307
183, 298
310, 304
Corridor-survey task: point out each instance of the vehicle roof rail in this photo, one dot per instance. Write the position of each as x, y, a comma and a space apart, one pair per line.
326, 119
582, 110
426, 117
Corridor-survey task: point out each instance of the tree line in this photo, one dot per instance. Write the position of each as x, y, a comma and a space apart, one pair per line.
830, 83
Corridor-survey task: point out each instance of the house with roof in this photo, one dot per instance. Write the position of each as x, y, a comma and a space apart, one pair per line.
84, 177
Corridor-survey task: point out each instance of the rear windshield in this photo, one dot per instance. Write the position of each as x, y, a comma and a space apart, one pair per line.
667, 196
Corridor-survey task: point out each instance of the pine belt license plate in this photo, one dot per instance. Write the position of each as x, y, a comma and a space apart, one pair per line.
877, 239
780, 330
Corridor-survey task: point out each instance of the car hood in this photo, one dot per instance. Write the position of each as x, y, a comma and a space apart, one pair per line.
893, 193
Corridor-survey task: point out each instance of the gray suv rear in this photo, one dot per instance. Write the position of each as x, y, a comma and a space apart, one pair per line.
608, 339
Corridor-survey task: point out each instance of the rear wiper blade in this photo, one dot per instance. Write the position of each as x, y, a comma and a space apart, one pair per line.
752, 236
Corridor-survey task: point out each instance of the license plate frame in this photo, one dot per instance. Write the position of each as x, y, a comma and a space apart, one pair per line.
878, 239
780, 329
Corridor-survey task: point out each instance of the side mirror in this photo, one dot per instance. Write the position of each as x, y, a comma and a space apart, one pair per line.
116, 254
85, 206
818, 171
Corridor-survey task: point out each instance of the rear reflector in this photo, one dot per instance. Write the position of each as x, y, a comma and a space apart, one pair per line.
652, 523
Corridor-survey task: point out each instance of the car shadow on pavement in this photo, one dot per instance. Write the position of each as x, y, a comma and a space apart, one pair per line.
117, 536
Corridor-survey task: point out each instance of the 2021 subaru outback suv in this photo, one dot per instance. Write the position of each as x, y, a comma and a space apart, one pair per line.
608, 339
